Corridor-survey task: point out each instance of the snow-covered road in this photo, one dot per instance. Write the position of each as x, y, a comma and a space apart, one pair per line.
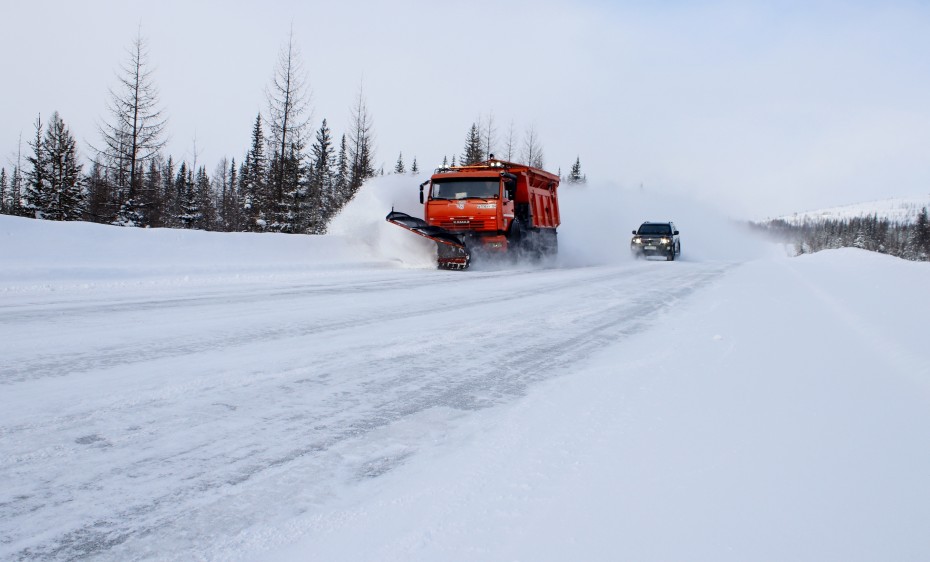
152, 420
178, 395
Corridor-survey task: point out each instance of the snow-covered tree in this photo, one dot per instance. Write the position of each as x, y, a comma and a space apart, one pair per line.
37, 196
341, 180
64, 172
4, 188
575, 176
399, 166
252, 180
190, 215
322, 186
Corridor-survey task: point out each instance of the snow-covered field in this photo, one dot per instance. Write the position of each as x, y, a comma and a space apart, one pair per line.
174, 395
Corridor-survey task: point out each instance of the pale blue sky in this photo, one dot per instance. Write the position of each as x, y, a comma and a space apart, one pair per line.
764, 108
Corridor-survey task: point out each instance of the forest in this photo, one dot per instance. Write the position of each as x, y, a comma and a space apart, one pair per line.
290, 180
903, 239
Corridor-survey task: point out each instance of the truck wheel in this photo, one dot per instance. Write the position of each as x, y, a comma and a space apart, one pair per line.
516, 240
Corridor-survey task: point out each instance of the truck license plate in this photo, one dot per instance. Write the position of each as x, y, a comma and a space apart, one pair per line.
649, 248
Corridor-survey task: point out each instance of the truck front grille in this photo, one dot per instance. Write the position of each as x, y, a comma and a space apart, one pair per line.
467, 224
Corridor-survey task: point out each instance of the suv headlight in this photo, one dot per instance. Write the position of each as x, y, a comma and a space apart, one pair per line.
637, 240
664, 241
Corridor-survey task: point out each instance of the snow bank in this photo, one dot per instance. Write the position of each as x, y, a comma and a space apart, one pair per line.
34, 251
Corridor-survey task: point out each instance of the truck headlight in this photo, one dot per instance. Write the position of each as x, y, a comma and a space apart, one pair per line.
637, 240
664, 241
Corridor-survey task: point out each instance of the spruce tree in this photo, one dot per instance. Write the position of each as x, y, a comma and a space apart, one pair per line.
171, 205
473, 147
234, 217
13, 194
3, 190
399, 166
66, 181
291, 210
341, 180
575, 176
414, 169
37, 197
322, 181
189, 216
203, 192
255, 199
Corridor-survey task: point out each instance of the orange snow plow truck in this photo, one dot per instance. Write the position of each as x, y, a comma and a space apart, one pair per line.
487, 209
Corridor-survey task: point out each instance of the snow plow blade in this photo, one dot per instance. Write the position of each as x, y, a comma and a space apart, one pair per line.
452, 251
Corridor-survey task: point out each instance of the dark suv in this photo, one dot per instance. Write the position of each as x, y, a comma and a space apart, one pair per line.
656, 239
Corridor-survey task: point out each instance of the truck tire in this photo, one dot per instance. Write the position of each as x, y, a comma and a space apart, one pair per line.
516, 239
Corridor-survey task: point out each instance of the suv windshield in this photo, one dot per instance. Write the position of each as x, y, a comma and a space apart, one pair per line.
466, 188
655, 229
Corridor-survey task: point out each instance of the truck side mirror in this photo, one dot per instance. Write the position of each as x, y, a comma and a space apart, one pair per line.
421, 190
634, 232
510, 189
675, 233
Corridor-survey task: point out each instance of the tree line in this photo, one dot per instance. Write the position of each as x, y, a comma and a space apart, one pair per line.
291, 179
903, 239
481, 142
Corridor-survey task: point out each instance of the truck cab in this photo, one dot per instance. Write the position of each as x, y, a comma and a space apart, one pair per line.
479, 203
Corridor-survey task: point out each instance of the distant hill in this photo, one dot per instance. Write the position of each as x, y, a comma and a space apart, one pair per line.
897, 226
897, 209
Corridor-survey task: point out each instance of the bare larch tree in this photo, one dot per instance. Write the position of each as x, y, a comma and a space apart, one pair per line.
134, 132
288, 102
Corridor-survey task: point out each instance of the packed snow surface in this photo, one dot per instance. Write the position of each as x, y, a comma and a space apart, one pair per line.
173, 395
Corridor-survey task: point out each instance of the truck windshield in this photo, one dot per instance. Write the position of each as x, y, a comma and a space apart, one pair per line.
466, 188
